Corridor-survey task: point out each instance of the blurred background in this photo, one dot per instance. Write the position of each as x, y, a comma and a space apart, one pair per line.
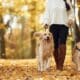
20, 19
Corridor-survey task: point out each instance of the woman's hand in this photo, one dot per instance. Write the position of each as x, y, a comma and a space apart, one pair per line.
70, 22
46, 26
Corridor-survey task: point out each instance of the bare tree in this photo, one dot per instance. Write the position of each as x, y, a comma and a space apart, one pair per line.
2, 40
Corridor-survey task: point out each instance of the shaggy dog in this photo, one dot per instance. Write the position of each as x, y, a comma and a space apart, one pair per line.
76, 46
76, 55
44, 50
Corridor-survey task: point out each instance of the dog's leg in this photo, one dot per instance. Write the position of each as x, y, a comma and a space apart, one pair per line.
38, 62
41, 65
38, 58
48, 63
78, 63
76, 58
44, 65
41, 61
38, 65
78, 66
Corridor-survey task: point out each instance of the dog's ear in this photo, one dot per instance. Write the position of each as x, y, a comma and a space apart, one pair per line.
78, 45
36, 34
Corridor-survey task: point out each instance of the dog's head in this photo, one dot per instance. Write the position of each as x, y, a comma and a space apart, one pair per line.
78, 46
44, 36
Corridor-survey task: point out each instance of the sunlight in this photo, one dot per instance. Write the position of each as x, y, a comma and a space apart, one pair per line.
5, 3
76, 14
13, 21
24, 8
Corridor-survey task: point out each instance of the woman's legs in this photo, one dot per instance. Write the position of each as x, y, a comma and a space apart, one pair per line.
61, 56
63, 32
60, 33
54, 31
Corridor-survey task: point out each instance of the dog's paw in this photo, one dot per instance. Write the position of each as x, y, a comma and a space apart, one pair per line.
40, 70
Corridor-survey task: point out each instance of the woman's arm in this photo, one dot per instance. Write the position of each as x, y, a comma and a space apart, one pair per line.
46, 13
71, 16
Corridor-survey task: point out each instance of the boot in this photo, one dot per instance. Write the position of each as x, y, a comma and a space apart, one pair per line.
61, 56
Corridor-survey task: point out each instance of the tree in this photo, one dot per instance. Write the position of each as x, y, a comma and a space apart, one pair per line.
2, 40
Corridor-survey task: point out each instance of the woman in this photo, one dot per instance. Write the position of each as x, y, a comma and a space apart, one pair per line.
59, 16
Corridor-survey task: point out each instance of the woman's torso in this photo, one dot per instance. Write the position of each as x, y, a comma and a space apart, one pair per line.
57, 12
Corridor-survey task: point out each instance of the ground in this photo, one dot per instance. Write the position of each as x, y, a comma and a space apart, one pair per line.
27, 70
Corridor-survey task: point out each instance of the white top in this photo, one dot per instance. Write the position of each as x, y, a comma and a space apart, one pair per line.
56, 13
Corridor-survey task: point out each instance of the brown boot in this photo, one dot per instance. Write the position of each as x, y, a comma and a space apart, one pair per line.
61, 56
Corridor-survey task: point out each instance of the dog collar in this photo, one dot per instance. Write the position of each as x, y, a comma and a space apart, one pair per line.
77, 48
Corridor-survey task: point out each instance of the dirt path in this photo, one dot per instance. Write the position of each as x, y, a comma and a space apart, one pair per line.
27, 70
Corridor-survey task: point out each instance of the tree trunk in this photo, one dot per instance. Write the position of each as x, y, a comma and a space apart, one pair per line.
2, 44
33, 45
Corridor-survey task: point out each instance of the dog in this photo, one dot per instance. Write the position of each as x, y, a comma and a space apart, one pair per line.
44, 50
76, 55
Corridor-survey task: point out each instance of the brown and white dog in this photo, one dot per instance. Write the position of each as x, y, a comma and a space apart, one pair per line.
44, 50
76, 55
